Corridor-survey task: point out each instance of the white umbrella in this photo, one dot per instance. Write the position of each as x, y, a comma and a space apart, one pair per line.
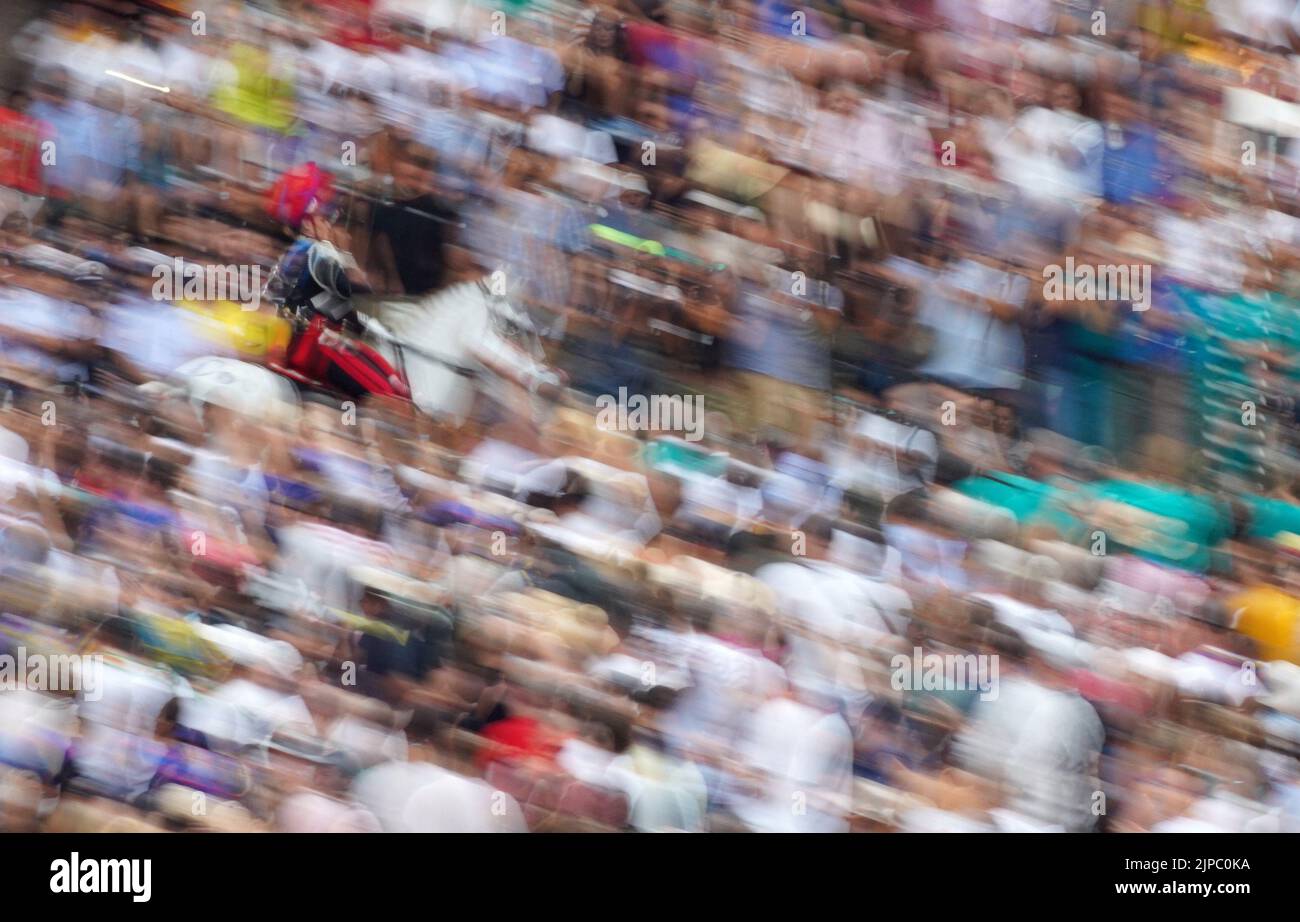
421, 797
240, 386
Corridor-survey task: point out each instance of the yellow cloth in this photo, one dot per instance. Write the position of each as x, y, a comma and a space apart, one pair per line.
1270, 617
733, 174
255, 334
255, 97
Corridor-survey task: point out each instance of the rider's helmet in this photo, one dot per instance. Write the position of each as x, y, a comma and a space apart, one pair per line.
323, 283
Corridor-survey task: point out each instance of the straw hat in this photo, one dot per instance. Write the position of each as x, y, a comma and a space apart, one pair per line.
194, 808
686, 575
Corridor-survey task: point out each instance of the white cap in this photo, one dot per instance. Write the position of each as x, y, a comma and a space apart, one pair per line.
633, 182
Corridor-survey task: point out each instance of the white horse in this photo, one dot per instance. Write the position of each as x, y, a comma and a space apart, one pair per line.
450, 345
456, 341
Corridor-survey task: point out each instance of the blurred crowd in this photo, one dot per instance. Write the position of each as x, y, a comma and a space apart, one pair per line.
831, 223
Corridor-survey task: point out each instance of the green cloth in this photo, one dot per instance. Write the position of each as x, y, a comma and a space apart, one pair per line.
1270, 517
644, 245
664, 455
622, 238
1032, 502
1180, 529
1220, 378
